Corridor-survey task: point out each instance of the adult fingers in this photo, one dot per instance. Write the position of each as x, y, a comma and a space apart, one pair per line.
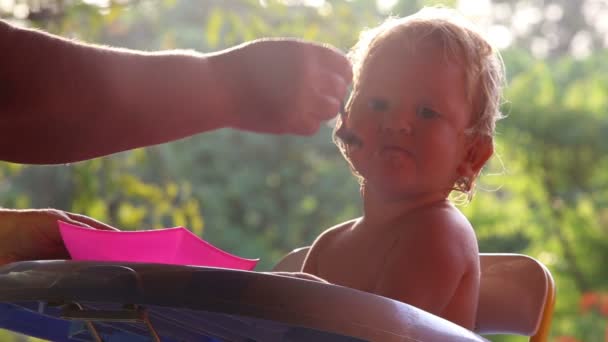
307, 125
88, 222
310, 113
331, 84
319, 98
332, 59
322, 107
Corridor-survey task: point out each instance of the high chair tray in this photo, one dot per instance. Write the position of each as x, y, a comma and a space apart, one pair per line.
103, 301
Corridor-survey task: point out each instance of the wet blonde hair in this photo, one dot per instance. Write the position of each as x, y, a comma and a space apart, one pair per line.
459, 42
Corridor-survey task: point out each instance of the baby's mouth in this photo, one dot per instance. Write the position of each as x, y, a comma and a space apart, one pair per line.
394, 151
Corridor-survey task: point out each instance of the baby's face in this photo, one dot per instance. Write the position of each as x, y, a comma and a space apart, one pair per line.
411, 112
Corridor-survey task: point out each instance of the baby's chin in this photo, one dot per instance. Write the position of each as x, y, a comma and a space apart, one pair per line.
392, 187
391, 163
394, 167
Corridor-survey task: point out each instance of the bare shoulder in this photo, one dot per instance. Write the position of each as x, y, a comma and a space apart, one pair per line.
332, 233
445, 222
434, 264
323, 242
444, 234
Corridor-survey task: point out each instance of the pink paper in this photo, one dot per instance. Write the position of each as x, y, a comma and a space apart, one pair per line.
176, 246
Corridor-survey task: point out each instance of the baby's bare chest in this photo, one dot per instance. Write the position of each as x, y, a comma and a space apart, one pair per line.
357, 260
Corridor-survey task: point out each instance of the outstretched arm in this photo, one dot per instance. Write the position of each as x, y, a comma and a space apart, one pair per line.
64, 101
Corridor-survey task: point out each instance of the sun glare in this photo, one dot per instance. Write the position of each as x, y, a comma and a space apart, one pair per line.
481, 12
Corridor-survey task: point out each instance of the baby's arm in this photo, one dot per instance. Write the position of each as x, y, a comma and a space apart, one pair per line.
299, 275
429, 263
311, 265
309, 269
323, 241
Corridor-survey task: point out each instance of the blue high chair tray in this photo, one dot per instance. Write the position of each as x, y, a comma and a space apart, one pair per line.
114, 302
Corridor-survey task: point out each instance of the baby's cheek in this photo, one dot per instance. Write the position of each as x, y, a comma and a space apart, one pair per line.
360, 159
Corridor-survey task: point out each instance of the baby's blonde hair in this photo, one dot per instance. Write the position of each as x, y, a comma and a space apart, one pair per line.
460, 42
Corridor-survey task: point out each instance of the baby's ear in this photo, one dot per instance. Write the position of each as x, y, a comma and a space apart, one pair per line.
479, 149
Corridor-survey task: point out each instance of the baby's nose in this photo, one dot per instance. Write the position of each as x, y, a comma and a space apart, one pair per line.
394, 121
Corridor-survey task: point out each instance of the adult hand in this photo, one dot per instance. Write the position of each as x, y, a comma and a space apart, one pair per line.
33, 234
281, 85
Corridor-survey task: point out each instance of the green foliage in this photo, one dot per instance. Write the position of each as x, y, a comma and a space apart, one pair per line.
544, 194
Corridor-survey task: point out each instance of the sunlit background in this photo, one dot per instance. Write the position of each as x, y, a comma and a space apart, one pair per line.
545, 194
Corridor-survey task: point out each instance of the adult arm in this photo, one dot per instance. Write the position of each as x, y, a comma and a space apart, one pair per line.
64, 101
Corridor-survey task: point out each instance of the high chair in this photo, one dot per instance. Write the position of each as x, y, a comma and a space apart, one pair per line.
517, 296
96, 301
517, 293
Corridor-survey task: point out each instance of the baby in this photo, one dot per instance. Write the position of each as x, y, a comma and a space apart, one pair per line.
418, 125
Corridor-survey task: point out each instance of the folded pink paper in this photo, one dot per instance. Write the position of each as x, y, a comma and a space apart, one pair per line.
175, 246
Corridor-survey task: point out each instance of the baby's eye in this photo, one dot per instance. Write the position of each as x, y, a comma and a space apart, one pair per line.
426, 113
379, 105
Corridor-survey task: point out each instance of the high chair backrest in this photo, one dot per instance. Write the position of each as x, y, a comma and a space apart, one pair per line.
293, 261
516, 296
